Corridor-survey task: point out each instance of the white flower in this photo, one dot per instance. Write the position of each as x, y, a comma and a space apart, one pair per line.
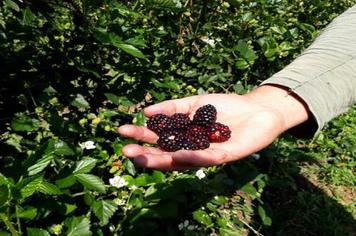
117, 182
88, 145
206, 40
200, 174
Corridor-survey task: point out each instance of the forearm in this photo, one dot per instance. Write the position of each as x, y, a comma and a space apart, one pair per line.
324, 75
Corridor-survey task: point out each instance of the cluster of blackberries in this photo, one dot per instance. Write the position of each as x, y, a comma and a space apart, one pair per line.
180, 132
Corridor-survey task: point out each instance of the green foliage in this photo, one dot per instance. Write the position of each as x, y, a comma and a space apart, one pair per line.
72, 71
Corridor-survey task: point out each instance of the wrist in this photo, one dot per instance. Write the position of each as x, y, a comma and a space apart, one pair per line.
291, 108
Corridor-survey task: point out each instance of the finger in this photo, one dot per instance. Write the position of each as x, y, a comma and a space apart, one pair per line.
183, 105
161, 161
139, 133
134, 150
202, 158
150, 157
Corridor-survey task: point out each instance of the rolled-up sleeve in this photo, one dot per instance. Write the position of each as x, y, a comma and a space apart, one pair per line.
324, 75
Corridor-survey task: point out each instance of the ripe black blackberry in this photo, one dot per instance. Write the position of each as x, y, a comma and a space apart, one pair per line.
181, 121
198, 136
205, 115
159, 122
219, 133
173, 140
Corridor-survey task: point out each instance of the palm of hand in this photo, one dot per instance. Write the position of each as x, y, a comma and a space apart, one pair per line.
252, 126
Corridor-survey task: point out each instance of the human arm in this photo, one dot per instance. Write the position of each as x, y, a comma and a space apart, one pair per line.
255, 120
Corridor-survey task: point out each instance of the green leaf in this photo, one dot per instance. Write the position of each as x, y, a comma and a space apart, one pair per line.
28, 17
62, 148
48, 188
202, 217
241, 64
28, 213
129, 49
104, 209
4, 195
129, 166
158, 176
80, 102
91, 182
30, 187
36, 232
11, 4
246, 52
85, 166
41, 164
66, 182
22, 122
15, 141
4, 180
113, 98
249, 189
139, 118
78, 226
265, 219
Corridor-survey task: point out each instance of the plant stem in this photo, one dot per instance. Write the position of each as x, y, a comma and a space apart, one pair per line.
18, 222
7, 222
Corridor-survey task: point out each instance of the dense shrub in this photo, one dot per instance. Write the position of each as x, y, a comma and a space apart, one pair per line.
72, 71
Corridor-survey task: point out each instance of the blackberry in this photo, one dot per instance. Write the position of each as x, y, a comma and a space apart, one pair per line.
219, 133
173, 140
185, 144
198, 136
159, 122
181, 121
205, 115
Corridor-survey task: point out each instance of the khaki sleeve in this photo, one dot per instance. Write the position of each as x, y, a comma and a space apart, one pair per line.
324, 75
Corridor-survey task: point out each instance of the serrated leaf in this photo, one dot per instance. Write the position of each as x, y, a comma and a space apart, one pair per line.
48, 188
22, 122
113, 98
129, 49
85, 166
30, 187
41, 164
80, 102
129, 167
11, 4
91, 182
28, 213
15, 141
28, 17
62, 148
249, 189
78, 226
36, 232
4, 180
104, 209
66, 182
246, 52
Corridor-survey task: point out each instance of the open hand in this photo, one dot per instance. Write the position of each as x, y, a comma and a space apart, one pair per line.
253, 125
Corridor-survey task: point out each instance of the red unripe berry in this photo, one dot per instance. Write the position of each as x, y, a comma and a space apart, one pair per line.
219, 133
